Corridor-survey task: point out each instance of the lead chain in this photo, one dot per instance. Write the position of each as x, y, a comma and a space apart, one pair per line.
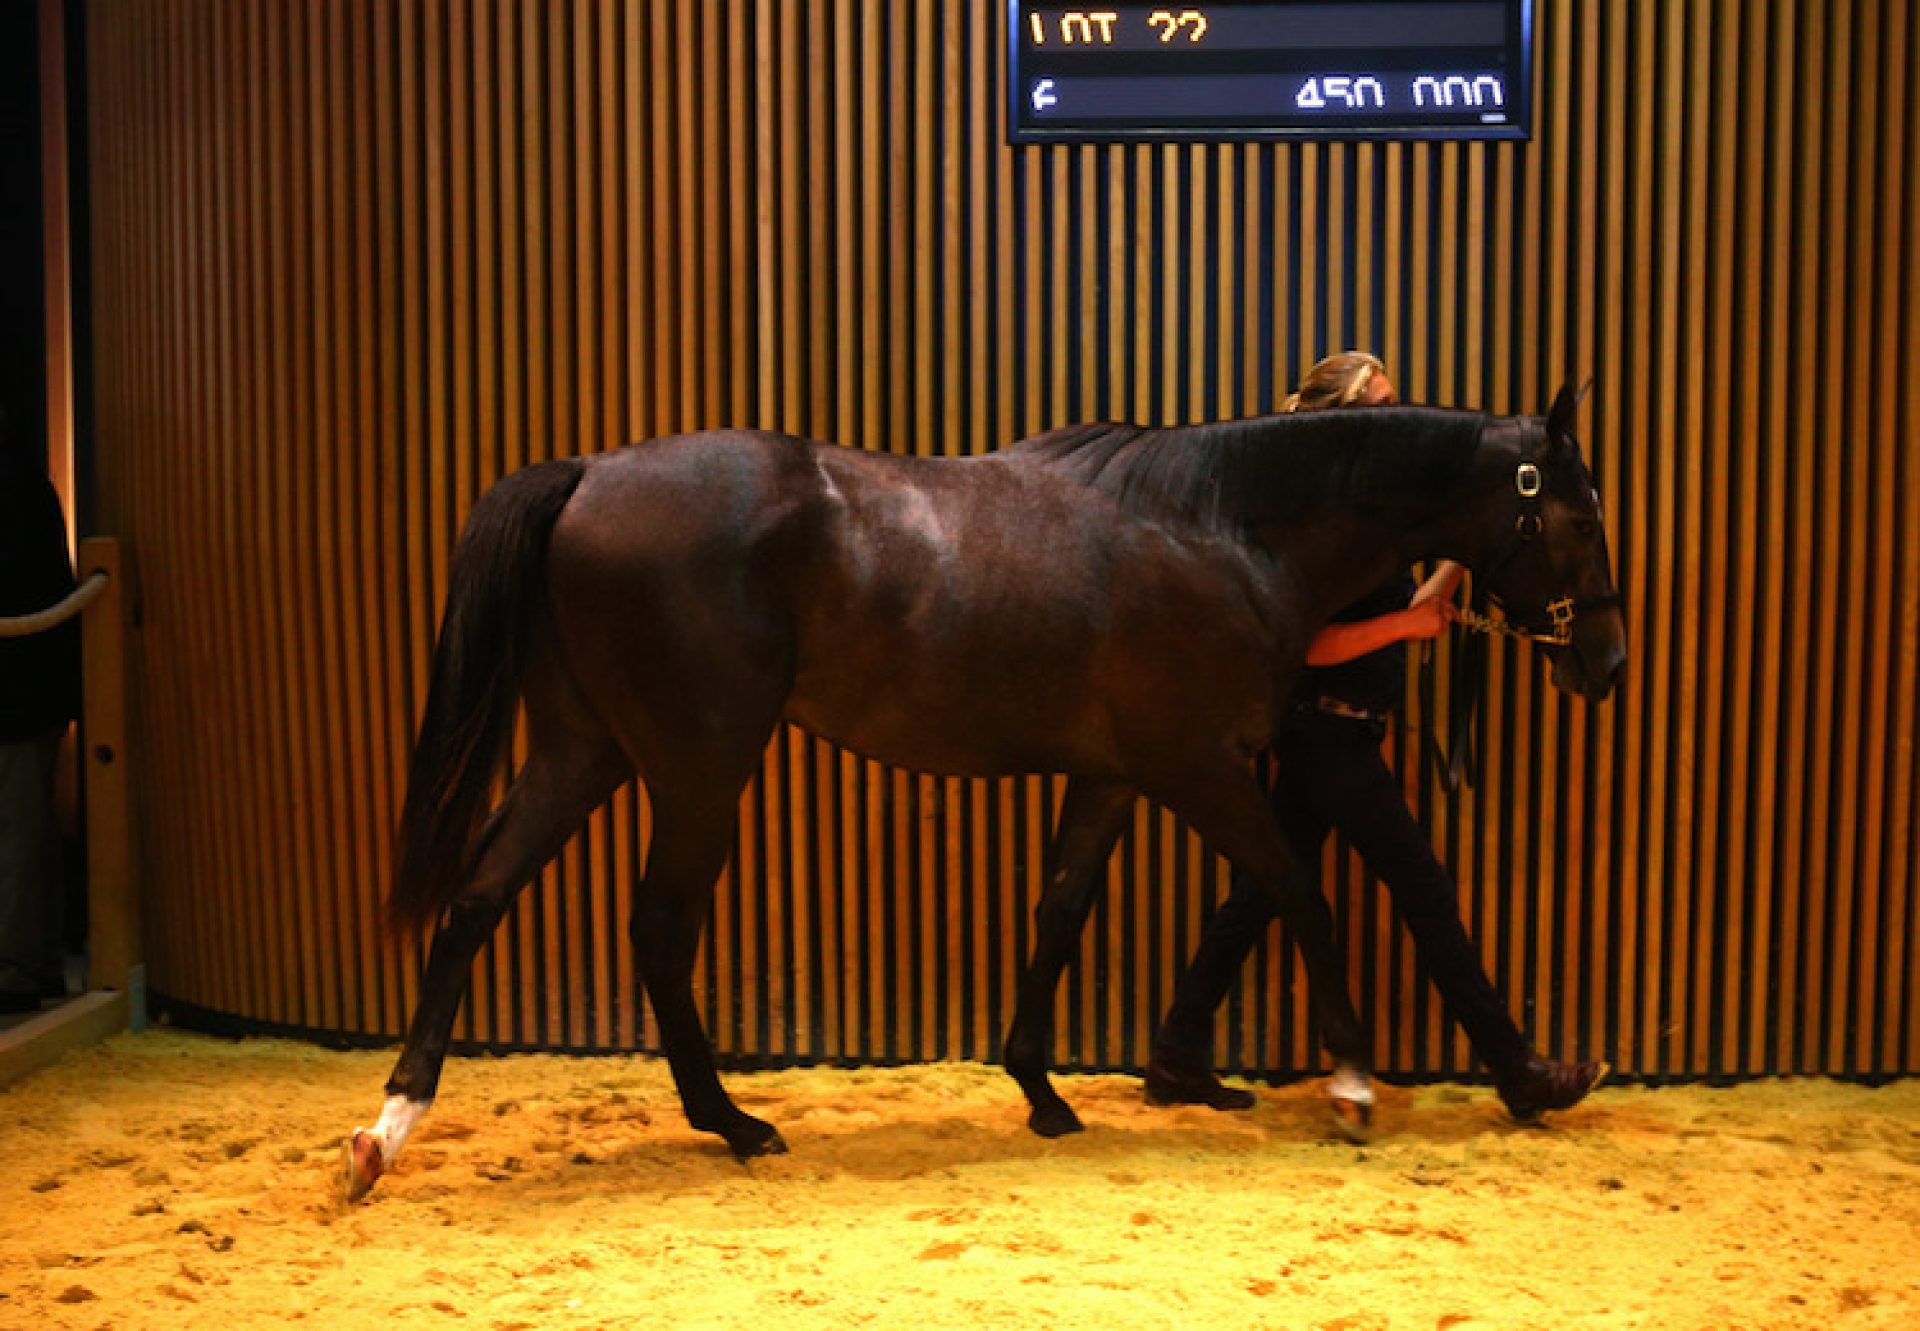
1560, 635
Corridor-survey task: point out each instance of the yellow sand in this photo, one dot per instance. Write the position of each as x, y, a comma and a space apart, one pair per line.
174, 1181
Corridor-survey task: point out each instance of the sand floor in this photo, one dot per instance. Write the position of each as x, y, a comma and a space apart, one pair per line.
169, 1180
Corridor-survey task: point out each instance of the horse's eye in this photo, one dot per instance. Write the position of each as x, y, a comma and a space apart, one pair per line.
1586, 527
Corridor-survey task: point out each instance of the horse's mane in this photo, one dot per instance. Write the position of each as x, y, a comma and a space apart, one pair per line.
1229, 475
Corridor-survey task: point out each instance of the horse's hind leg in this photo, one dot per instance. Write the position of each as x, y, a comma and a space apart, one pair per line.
564, 781
691, 841
1091, 818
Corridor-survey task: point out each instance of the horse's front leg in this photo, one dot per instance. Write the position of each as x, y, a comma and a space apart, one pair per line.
1091, 818
1224, 804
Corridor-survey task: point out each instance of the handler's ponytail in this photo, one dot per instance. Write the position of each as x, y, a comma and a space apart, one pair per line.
1335, 382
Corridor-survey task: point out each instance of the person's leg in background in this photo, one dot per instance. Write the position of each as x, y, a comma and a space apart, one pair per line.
32, 893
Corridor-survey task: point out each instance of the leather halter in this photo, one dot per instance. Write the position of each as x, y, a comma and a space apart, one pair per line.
1459, 763
1552, 623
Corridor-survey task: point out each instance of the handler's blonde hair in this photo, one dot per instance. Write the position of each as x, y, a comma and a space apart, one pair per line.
1335, 382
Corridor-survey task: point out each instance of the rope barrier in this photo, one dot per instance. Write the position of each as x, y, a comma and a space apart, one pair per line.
21, 626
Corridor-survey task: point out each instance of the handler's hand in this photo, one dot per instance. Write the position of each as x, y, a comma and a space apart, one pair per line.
1426, 620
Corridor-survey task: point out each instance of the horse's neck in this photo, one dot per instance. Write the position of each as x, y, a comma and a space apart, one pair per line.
1335, 561
1473, 522
1347, 551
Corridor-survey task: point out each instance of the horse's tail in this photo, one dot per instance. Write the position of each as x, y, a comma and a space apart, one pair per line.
495, 585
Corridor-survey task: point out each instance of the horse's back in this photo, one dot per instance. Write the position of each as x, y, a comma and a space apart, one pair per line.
688, 485
972, 616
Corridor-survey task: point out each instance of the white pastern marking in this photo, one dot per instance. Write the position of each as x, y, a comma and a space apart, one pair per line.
397, 1119
1351, 1084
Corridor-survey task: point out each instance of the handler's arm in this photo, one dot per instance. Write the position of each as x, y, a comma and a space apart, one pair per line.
1427, 616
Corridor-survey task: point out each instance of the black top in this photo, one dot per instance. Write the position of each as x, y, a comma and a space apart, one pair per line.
39, 675
1372, 683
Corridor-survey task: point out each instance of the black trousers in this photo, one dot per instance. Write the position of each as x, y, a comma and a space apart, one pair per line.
1330, 775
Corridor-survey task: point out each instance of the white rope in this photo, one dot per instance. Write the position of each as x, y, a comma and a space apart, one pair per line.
22, 626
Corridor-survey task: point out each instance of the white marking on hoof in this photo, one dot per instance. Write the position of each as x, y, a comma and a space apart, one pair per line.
1351, 1098
1350, 1083
398, 1118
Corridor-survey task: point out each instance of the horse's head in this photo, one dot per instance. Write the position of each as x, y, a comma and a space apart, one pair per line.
1553, 577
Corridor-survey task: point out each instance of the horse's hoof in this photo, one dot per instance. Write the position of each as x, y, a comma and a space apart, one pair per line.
365, 1163
1544, 1084
760, 1139
1167, 1085
1352, 1119
1055, 1120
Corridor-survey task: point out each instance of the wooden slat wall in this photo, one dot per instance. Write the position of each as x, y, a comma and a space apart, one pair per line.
353, 261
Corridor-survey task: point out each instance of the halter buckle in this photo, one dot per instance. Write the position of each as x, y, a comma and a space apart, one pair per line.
1526, 479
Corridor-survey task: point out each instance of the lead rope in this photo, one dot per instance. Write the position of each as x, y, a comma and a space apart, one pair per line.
1466, 682
1461, 764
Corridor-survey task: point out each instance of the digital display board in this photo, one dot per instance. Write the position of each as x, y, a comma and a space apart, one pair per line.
1366, 69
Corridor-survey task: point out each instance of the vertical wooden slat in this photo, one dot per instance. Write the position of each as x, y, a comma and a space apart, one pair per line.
341, 572
1900, 349
1670, 739
246, 733
1719, 36
253, 484
1633, 145
1856, 916
1796, 873
1830, 905
1773, 649
186, 388
194, 387
293, 487
1907, 810
1877, 478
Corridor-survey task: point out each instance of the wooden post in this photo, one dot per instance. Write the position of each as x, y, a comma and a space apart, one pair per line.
114, 934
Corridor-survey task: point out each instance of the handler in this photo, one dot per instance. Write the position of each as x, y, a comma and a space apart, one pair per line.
39, 697
1330, 774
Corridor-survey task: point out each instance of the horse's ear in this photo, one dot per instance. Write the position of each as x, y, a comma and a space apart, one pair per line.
1561, 415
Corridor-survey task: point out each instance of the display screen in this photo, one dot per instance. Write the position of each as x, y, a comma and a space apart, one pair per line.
1366, 69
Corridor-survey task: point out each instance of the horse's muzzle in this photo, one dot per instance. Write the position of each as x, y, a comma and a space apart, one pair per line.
1597, 659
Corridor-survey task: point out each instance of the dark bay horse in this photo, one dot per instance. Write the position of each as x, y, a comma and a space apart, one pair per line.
1126, 606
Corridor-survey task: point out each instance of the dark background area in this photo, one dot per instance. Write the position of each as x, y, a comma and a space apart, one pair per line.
23, 334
